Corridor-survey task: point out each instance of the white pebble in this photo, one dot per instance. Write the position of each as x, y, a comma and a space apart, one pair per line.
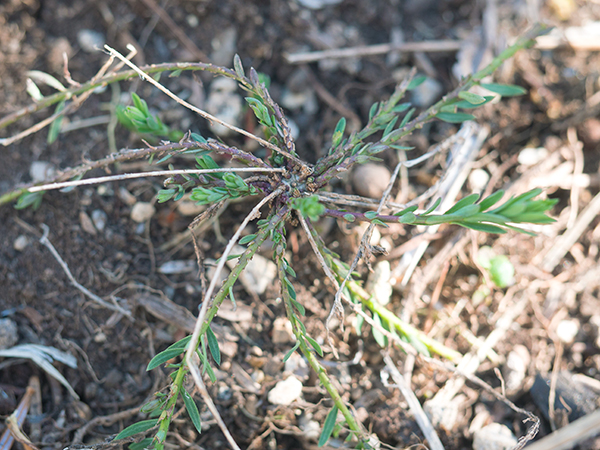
478, 180
41, 171
286, 391
494, 436
142, 211
532, 156
259, 274
178, 266
90, 41
378, 283
20, 243
567, 330
426, 93
8, 333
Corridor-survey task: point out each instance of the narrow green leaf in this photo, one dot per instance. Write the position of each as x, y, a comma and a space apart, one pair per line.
55, 127
349, 217
198, 138
380, 223
192, 410
389, 127
407, 117
338, 132
248, 238
292, 350
141, 445
371, 215
237, 65
505, 90
136, 428
433, 207
299, 307
416, 82
175, 73
163, 357
486, 228
400, 108
290, 270
468, 105
407, 210
140, 104
314, 344
468, 200
471, 98
213, 345
380, 338
407, 218
33, 199
373, 110
328, 426
491, 200
454, 117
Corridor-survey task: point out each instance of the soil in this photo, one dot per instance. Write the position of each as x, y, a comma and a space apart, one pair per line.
122, 260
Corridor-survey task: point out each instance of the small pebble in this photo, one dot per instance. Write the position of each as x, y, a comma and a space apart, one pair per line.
142, 211
259, 274
282, 331
189, 208
297, 366
90, 41
99, 218
426, 93
310, 428
532, 156
178, 266
20, 243
86, 223
515, 368
41, 171
127, 197
286, 391
378, 283
494, 436
224, 103
478, 180
567, 330
8, 333
370, 180
55, 55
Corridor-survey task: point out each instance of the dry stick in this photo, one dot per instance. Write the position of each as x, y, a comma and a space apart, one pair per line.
189, 356
479, 382
413, 404
570, 435
157, 173
198, 111
44, 240
455, 177
577, 148
357, 309
566, 241
370, 50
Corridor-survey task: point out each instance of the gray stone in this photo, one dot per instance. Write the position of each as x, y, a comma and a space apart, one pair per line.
282, 331
41, 171
426, 93
99, 218
90, 41
8, 333
224, 103
20, 243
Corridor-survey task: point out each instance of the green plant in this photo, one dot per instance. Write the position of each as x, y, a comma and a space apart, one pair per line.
290, 191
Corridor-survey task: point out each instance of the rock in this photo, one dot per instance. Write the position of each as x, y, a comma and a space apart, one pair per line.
90, 41
478, 180
515, 368
8, 333
260, 272
443, 413
310, 428
189, 208
224, 46
127, 197
282, 331
54, 57
317, 4
297, 366
99, 218
225, 103
370, 180
142, 211
20, 243
532, 156
494, 436
567, 330
41, 171
86, 223
286, 391
426, 93
178, 266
